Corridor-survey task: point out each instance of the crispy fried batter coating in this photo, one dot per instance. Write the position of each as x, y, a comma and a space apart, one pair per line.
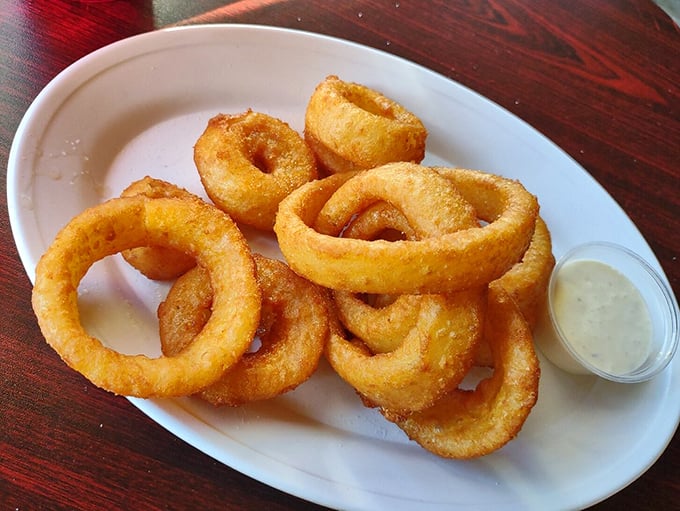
249, 162
432, 359
352, 127
472, 423
118, 224
293, 329
158, 263
459, 260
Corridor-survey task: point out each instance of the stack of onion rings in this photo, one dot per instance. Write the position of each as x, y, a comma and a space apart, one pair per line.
379, 236
429, 272
526, 281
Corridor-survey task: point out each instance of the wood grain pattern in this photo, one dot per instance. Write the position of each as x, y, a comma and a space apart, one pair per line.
598, 78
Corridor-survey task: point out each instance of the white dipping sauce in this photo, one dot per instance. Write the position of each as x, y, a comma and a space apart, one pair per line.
602, 315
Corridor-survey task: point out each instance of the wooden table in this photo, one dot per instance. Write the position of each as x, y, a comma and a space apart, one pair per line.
598, 78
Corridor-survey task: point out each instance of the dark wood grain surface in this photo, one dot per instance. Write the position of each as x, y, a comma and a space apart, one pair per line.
599, 78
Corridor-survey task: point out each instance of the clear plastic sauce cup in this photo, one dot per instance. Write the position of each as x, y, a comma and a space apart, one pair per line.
608, 313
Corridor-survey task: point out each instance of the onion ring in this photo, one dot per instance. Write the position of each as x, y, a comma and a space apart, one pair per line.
118, 224
249, 162
158, 263
293, 331
352, 127
433, 358
472, 423
463, 259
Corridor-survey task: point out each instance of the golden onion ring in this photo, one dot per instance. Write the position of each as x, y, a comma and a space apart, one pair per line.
433, 358
472, 423
293, 330
249, 162
463, 259
118, 224
352, 127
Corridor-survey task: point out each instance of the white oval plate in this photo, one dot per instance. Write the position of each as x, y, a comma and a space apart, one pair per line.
137, 107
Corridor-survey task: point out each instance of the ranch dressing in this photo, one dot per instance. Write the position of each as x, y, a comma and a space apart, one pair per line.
603, 316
